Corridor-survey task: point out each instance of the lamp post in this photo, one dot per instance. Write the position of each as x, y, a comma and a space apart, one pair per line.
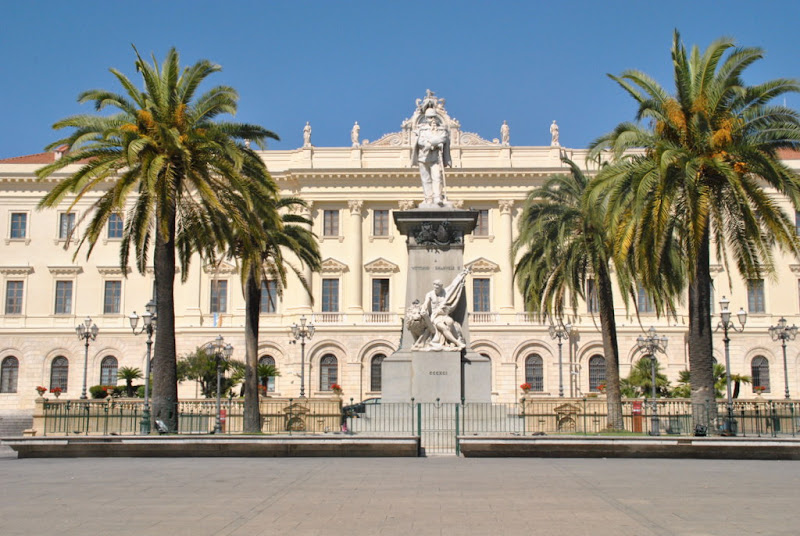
726, 324
222, 352
652, 344
783, 333
560, 332
301, 333
149, 327
86, 331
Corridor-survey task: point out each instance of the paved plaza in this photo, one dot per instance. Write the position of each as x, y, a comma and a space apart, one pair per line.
416, 496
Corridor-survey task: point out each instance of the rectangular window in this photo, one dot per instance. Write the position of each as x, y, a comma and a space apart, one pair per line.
330, 295
482, 226
644, 302
380, 295
14, 297
66, 224
219, 296
380, 223
755, 296
115, 226
330, 223
269, 296
480, 295
112, 297
63, 297
19, 225
592, 305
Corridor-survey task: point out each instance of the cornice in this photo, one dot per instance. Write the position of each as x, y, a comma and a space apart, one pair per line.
113, 270
65, 270
16, 270
224, 268
333, 266
482, 265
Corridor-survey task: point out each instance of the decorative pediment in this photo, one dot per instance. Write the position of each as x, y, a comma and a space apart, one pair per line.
483, 265
381, 266
795, 268
16, 270
113, 270
716, 268
61, 271
332, 266
430, 100
224, 268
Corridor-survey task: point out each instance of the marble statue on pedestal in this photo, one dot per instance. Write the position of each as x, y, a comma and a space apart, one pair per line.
307, 135
354, 134
432, 323
430, 150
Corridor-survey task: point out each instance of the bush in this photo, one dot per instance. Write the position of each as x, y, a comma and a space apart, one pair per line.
102, 391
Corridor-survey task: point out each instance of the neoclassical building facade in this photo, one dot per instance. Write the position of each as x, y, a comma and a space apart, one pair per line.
357, 301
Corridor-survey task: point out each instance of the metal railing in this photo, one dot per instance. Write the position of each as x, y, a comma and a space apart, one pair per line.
437, 424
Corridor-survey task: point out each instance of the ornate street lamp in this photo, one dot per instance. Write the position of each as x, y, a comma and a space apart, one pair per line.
222, 353
86, 331
301, 333
560, 332
149, 327
783, 333
650, 345
726, 324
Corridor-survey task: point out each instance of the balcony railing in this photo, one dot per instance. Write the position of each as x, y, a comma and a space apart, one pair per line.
483, 318
327, 318
379, 318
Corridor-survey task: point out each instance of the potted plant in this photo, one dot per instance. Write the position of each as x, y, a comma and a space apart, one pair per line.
56, 391
526, 387
759, 389
337, 389
41, 390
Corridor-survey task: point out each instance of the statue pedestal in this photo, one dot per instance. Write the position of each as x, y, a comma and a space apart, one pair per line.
435, 376
435, 242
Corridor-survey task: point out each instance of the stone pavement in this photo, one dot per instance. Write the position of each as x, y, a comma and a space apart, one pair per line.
416, 496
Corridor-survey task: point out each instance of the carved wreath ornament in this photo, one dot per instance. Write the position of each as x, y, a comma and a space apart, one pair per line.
429, 234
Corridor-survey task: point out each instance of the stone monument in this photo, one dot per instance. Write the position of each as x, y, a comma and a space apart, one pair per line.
434, 362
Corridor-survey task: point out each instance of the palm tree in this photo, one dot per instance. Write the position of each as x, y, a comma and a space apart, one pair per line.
265, 372
165, 148
563, 242
129, 374
640, 379
697, 177
263, 257
738, 380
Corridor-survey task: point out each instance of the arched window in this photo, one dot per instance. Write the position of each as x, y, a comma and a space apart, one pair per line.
108, 370
759, 369
534, 372
9, 373
328, 372
375, 372
59, 373
597, 372
268, 381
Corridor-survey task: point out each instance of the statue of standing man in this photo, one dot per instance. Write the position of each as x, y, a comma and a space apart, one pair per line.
431, 152
554, 135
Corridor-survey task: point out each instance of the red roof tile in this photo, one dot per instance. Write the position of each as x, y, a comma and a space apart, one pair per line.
39, 158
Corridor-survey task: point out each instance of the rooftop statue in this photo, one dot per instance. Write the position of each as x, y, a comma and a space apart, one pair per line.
307, 135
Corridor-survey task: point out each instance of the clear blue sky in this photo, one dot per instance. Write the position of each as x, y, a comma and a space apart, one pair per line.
335, 62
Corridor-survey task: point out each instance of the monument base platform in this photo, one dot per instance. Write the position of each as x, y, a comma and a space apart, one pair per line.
436, 376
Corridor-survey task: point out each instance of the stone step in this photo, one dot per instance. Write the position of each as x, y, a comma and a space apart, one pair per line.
13, 424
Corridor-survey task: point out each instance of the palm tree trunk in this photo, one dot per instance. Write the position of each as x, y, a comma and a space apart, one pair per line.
608, 328
165, 372
252, 416
701, 363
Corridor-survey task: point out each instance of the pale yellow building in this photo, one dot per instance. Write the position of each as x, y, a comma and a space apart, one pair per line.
358, 298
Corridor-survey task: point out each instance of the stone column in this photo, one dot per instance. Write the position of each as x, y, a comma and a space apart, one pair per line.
303, 305
354, 242
505, 287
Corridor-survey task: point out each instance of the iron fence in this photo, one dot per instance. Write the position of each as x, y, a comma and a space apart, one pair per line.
437, 424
